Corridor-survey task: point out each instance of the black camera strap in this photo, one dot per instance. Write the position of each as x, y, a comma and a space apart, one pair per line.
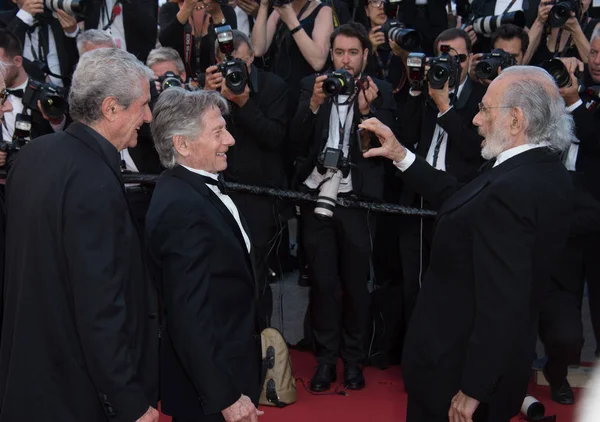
512, 2
342, 127
557, 53
385, 70
110, 18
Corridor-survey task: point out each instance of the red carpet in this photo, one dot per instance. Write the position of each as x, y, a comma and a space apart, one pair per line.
383, 400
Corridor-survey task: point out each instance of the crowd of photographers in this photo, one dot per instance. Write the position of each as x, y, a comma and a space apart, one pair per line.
300, 76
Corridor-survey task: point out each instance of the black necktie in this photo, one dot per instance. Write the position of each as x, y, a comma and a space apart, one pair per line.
487, 166
219, 183
16, 92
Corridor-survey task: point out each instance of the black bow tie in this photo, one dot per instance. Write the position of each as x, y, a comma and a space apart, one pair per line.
16, 92
219, 183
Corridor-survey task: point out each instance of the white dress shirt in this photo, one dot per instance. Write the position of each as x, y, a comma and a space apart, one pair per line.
571, 156
501, 6
441, 161
117, 29
32, 42
315, 178
226, 200
243, 22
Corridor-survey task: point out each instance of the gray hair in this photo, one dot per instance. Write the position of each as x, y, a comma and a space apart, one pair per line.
179, 113
94, 37
3, 69
534, 91
595, 34
238, 38
165, 54
103, 73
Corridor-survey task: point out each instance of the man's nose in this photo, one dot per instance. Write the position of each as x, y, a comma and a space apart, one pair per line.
147, 114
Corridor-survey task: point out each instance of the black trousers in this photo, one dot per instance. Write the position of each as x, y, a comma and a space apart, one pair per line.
338, 252
415, 247
264, 223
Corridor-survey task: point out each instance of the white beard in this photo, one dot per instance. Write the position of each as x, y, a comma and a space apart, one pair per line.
495, 143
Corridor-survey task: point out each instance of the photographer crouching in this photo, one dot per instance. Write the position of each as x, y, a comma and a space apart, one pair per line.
258, 122
337, 240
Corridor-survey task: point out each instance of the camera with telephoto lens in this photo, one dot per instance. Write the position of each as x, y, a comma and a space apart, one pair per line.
74, 8
487, 25
339, 82
561, 12
169, 80
52, 97
559, 72
407, 39
487, 67
442, 69
234, 71
335, 166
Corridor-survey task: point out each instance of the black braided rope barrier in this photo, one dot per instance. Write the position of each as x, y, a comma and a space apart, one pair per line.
297, 196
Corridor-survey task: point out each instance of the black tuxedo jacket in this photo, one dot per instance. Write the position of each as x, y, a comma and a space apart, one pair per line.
588, 158
144, 154
495, 241
80, 334
430, 28
200, 262
259, 129
309, 133
463, 151
139, 20
66, 48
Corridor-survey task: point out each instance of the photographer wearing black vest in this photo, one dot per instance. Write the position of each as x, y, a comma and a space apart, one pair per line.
337, 240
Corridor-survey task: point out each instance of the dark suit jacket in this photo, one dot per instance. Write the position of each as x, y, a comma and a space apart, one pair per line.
139, 20
309, 133
144, 154
495, 241
202, 267
588, 158
435, 22
66, 48
463, 152
259, 129
79, 340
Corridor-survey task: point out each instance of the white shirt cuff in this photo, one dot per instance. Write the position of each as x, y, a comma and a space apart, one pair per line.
441, 114
574, 106
25, 17
73, 34
404, 164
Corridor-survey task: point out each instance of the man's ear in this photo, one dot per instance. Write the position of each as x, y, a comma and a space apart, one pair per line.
181, 145
109, 108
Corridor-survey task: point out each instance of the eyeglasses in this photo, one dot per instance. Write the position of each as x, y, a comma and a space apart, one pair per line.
3, 97
462, 57
377, 3
483, 107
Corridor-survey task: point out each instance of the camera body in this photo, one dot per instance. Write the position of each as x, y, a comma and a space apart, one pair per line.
561, 12
442, 69
332, 163
169, 80
487, 68
407, 39
339, 82
234, 70
52, 98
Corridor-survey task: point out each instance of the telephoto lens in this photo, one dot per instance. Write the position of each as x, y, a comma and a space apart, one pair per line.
487, 25
558, 71
561, 12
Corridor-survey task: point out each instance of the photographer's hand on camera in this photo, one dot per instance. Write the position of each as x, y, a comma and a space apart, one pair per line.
67, 22
571, 93
33, 7
239, 99
468, 29
543, 11
57, 124
214, 79
249, 7
572, 24
475, 58
318, 95
441, 98
367, 94
287, 15
390, 147
376, 37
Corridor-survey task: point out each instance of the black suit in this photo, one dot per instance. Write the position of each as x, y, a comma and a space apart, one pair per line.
66, 47
475, 323
139, 20
463, 159
259, 129
338, 250
79, 340
430, 20
202, 267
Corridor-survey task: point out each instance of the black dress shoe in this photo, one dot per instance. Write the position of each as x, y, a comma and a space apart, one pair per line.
353, 377
562, 394
323, 378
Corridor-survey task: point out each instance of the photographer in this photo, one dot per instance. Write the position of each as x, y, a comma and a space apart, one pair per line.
512, 39
17, 80
547, 41
296, 38
324, 134
189, 27
445, 136
48, 39
130, 23
258, 122
561, 329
